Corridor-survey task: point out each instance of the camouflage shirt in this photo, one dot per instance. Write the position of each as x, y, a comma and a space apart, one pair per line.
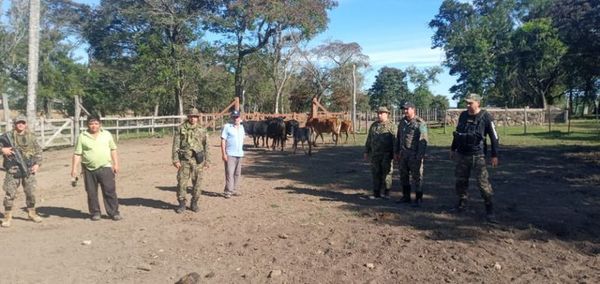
27, 144
412, 136
380, 139
189, 139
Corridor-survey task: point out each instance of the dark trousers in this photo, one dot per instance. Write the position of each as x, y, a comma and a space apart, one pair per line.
106, 179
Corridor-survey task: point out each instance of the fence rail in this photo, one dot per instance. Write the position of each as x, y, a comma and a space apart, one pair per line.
61, 132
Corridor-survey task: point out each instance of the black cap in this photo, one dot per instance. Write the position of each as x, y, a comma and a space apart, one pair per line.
235, 113
408, 105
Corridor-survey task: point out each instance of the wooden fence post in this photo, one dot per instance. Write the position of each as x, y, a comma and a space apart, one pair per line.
525, 120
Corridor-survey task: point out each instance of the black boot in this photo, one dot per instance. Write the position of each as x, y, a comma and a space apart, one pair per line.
194, 205
489, 213
418, 199
461, 206
405, 194
181, 208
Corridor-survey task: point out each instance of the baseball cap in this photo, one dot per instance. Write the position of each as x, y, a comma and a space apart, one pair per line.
235, 113
20, 118
408, 105
383, 109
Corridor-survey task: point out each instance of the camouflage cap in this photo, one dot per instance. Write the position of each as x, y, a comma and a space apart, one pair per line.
472, 97
383, 109
19, 118
193, 112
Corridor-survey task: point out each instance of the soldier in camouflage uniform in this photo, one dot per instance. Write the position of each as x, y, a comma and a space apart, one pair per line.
380, 149
26, 144
409, 150
468, 150
190, 157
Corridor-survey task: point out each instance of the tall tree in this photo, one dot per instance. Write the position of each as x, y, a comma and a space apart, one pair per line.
33, 59
389, 89
249, 24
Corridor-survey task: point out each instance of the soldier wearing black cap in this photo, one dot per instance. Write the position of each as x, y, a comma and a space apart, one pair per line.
467, 149
409, 151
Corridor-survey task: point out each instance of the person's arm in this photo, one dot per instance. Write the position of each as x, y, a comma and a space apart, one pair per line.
37, 155
397, 143
175, 149
490, 130
368, 143
205, 148
224, 144
423, 140
74, 164
115, 161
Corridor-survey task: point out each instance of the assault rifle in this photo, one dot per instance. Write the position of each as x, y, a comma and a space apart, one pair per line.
17, 158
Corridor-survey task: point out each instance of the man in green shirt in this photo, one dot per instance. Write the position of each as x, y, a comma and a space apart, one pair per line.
97, 152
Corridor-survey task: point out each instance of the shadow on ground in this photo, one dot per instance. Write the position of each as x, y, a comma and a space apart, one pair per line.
540, 192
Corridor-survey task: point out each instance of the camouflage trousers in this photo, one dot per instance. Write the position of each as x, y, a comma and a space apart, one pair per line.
189, 170
411, 170
465, 164
12, 183
381, 169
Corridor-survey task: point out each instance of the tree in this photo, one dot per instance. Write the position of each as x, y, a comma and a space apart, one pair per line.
422, 96
389, 89
538, 52
33, 58
249, 24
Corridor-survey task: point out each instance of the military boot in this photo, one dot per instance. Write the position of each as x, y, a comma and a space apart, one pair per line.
405, 194
489, 213
7, 219
33, 216
418, 199
181, 208
461, 206
194, 206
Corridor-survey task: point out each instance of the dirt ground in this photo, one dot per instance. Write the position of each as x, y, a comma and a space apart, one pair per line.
307, 220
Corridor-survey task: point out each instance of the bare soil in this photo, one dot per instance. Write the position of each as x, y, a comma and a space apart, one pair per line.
309, 219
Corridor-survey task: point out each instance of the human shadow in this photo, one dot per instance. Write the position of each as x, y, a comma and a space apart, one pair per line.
189, 191
543, 193
146, 202
47, 211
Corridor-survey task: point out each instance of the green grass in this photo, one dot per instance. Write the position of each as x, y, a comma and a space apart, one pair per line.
583, 132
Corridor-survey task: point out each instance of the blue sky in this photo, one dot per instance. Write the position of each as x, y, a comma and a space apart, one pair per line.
392, 33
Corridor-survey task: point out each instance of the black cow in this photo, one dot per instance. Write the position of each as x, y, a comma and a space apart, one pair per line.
290, 126
302, 134
276, 131
260, 131
249, 128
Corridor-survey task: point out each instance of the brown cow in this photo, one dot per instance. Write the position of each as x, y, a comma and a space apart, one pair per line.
346, 127
324, 125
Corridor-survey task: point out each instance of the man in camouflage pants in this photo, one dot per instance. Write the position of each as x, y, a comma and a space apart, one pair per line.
24, 142
190, 157
409, 150
468, 150
380, 149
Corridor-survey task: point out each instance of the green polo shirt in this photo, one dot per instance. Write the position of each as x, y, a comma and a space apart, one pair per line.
95, 152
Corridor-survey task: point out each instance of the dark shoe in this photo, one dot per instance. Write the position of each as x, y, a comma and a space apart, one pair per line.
461, 206
194, 205
181, 208
418, 199
117, 217
374, 197
96, 217
489, 213
405, 194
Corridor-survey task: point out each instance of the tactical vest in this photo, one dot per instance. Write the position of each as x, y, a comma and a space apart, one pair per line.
468, 133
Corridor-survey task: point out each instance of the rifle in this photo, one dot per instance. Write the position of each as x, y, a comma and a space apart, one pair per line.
17, 158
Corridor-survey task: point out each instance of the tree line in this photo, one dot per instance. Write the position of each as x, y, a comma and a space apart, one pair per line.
164, 56
522, 52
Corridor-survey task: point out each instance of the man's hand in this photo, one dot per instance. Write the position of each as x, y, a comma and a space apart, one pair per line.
397, 157
35, 168
116, 169
7, 151
452, 154
74, 173
205, 165
366, 157
224, 158
177, 165
494, 161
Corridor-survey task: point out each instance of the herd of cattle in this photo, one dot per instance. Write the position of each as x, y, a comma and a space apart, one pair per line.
278, 129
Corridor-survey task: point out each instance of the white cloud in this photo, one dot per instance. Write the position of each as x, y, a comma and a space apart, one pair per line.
421, 56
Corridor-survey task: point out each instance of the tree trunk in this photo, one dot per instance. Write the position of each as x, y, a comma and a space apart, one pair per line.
33, 59
239, 87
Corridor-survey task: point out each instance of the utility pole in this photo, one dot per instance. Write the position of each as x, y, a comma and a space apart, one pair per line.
354, 98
